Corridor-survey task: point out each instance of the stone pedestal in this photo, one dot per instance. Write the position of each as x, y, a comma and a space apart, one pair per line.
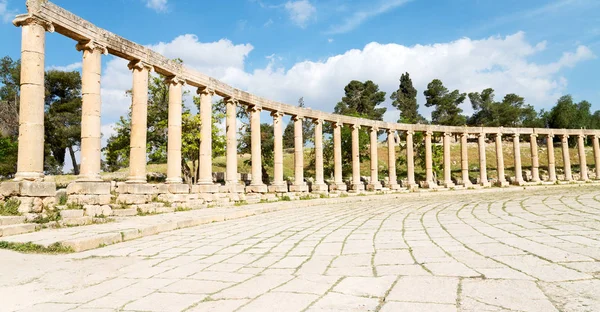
319, 187
278, 188
502, 183
205, 188
232, 188
299, 188
374, 186
88, 188
356, 187
338, 187
260, 188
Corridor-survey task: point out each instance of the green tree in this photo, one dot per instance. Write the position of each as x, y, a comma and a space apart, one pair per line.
405, 100
446, 104
267, 144
570, 115
308, 130
10, 73
511, 112
8, 156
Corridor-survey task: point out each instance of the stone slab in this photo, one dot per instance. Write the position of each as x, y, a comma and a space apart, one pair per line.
282, 188
9, 188
319, 187
205, 188
301, 188
38, 189
16, 229
178, 188
89, 188
137, 189
72, 213
256, 188
10, 220
338, 187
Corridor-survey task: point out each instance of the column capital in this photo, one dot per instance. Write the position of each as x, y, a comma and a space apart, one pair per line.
374, 129
428, 133
231, 100
533, 135
205, 91
596, 136
254, 109
564, 137
91, 46
499, 135
27, 19
447, 133
582, 136
391, 131
551, 135
277, 114
355, 127
317, 121
139, 65
297, 118
481, 134
464, 134
337, 124
175, 80
516, 136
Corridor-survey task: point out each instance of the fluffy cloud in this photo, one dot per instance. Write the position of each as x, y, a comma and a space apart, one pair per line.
6, 15
157, 5
300, 11
502, 63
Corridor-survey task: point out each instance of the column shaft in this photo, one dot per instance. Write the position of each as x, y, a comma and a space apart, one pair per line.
500, 160
30, 159
483, 177
299, 184
337, 158
256, 146
551, 158
205, 160
278, 185
535, 160
464, 159
356, 183
374, 184
231, 175
566, 158
393, 179
518, 168
90, 111
410, 161
582, 160
319, 184
428, 161
174, 128
447, 161
139, 121
596, 143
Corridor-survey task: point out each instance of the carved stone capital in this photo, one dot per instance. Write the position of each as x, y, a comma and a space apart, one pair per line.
277, 114
551, 136
533, 135
28, 19
595, 136
499, 135
297, 118
175, 80
374, 129
317, 121
516, 136
464, 134
139, 65
428, 133
481, 135
582, 136
447, 134
254, 109
337, 124
206, 91
355, 127
410, 132
231, 100
564, 137
91, 46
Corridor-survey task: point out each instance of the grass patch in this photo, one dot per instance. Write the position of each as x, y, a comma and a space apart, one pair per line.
285, 198
182, 209
240, 203
56, 248
10, 208
75, 206
49, 217
305, 197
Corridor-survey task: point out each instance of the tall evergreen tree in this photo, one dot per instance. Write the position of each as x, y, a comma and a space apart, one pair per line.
308, 130
446, 104
405, 100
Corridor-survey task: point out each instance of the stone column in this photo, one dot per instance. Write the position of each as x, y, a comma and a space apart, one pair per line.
500, 161
393, 179
338, 183
30, 159
566, 157
551, 158
447, 164
596, 143
357, 185
299, 184
90, 110
583, 169
410, 161
483, 178
464, 159
232, 183
256, 185
429, 162
535, 160
205, 178
374, 185
319, 184
139, 121
518, 168
278, 185
174, 135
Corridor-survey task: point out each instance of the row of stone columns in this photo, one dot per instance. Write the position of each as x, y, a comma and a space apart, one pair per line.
31, 134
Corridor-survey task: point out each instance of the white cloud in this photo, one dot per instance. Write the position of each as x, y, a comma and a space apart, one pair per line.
300, 11
502, 63
268, 23
6, 15
68, 68
362, 15
157, 5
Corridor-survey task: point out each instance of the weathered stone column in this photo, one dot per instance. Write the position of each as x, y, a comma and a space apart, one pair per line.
429, 162
500, 161
583, 169
278, 185
30, 159
483, 177
338, 183
91, 107
139, 121
566, 157
319, 184
518, 168
299, 184
535, 160
256, 185
464, 159
174, 127
551, 158
232, 183
374, 185
205, 178
357, 185
596, 143
393, 179
410, 161
447, 163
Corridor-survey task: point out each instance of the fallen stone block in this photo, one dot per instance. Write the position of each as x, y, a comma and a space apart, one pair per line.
9, 188
38, 189
26, 204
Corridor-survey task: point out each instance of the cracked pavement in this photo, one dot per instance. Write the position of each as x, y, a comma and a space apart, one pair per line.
521, 250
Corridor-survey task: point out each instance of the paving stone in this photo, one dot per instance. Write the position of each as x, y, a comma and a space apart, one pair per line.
160, 302
418, 307
355, 286
341, 302
419, 289
280, 301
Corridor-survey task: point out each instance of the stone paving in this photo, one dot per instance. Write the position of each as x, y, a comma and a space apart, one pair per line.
523, 250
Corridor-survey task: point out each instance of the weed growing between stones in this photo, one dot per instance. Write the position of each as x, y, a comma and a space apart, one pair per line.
181, 209
56, 248
241, 203
285, 198
49, 216
75, 206
10, 208
62, 200
305, 197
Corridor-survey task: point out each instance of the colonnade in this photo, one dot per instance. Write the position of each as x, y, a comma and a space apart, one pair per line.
31, 132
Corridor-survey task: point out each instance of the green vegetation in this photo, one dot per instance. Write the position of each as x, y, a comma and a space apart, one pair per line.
10, 208
30, 247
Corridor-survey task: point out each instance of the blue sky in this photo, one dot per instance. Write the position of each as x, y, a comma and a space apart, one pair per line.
285, 49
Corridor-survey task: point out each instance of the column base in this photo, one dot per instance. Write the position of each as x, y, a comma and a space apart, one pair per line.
231, 187
485, 184
278, 188
394, 186
178, 188
411, 186
321, 187
258, 188
136, 180
518, 183
430, 185
174, 181
374, 186
467, 183
357, 187
502, 183
205, 188
338, 187
29, 176
299, 188
89, 178
449, 184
